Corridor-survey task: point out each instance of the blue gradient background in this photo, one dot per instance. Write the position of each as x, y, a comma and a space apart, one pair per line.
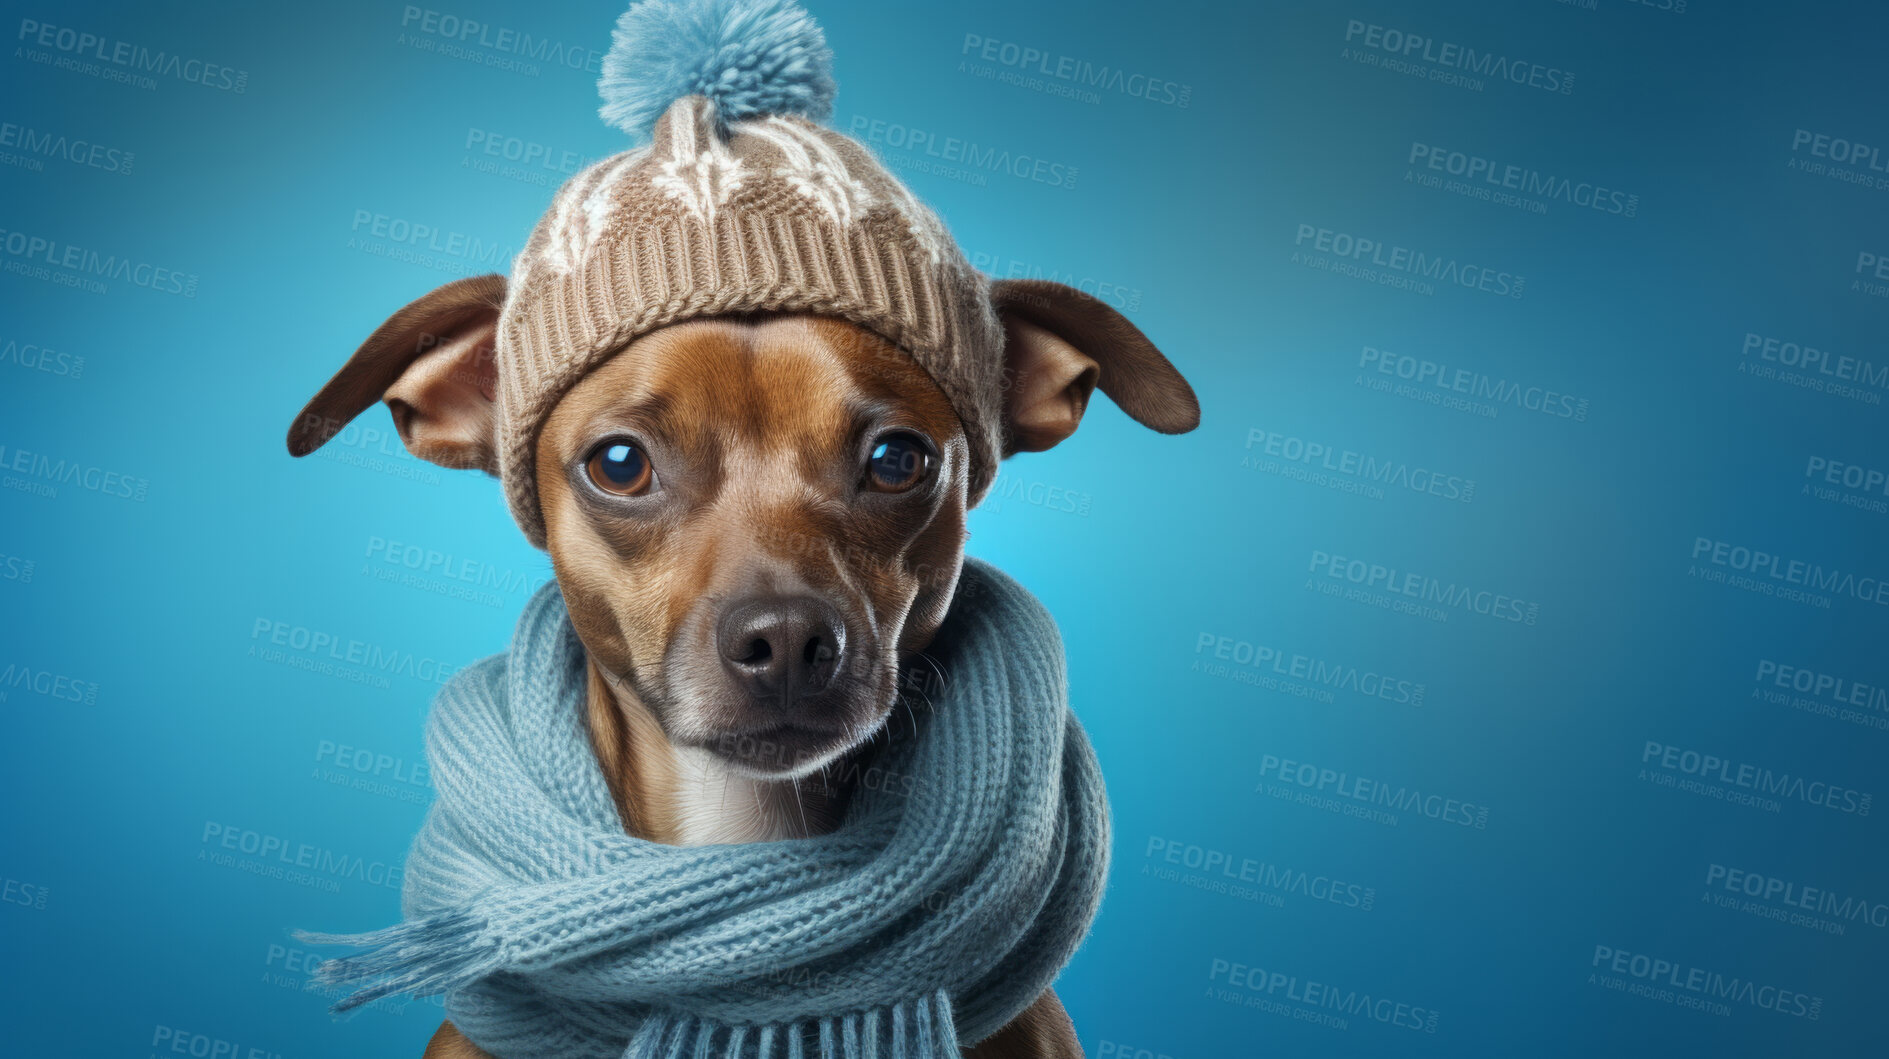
1196, 209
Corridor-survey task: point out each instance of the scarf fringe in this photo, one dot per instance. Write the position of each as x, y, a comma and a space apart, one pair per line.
422, 957
921, 1028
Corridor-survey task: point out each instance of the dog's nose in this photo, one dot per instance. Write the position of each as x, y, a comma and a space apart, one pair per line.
781, 647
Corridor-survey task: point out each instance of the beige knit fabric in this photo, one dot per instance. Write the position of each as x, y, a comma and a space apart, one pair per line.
770, 214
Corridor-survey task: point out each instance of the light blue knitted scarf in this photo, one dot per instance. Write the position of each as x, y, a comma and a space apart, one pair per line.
937, 912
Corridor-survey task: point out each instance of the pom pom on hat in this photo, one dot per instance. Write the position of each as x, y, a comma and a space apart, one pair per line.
750, 57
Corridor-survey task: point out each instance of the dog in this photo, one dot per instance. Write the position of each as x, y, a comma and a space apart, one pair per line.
754, 520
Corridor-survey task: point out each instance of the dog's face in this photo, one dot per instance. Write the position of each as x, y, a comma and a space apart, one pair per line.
752, 521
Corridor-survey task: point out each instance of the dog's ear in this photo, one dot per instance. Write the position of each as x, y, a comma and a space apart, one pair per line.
432, 363
1059, 346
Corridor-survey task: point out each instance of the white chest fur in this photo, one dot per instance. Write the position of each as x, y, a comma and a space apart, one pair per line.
715, 805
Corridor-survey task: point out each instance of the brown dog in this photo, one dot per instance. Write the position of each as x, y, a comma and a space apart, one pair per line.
753, 520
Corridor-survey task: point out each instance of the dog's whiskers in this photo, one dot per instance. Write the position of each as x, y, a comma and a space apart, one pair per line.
805, 828
909, 712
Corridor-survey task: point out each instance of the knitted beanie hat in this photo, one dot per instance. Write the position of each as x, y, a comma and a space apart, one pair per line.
739, 202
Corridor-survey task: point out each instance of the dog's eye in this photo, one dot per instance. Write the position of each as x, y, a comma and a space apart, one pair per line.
898, 462
620, 468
